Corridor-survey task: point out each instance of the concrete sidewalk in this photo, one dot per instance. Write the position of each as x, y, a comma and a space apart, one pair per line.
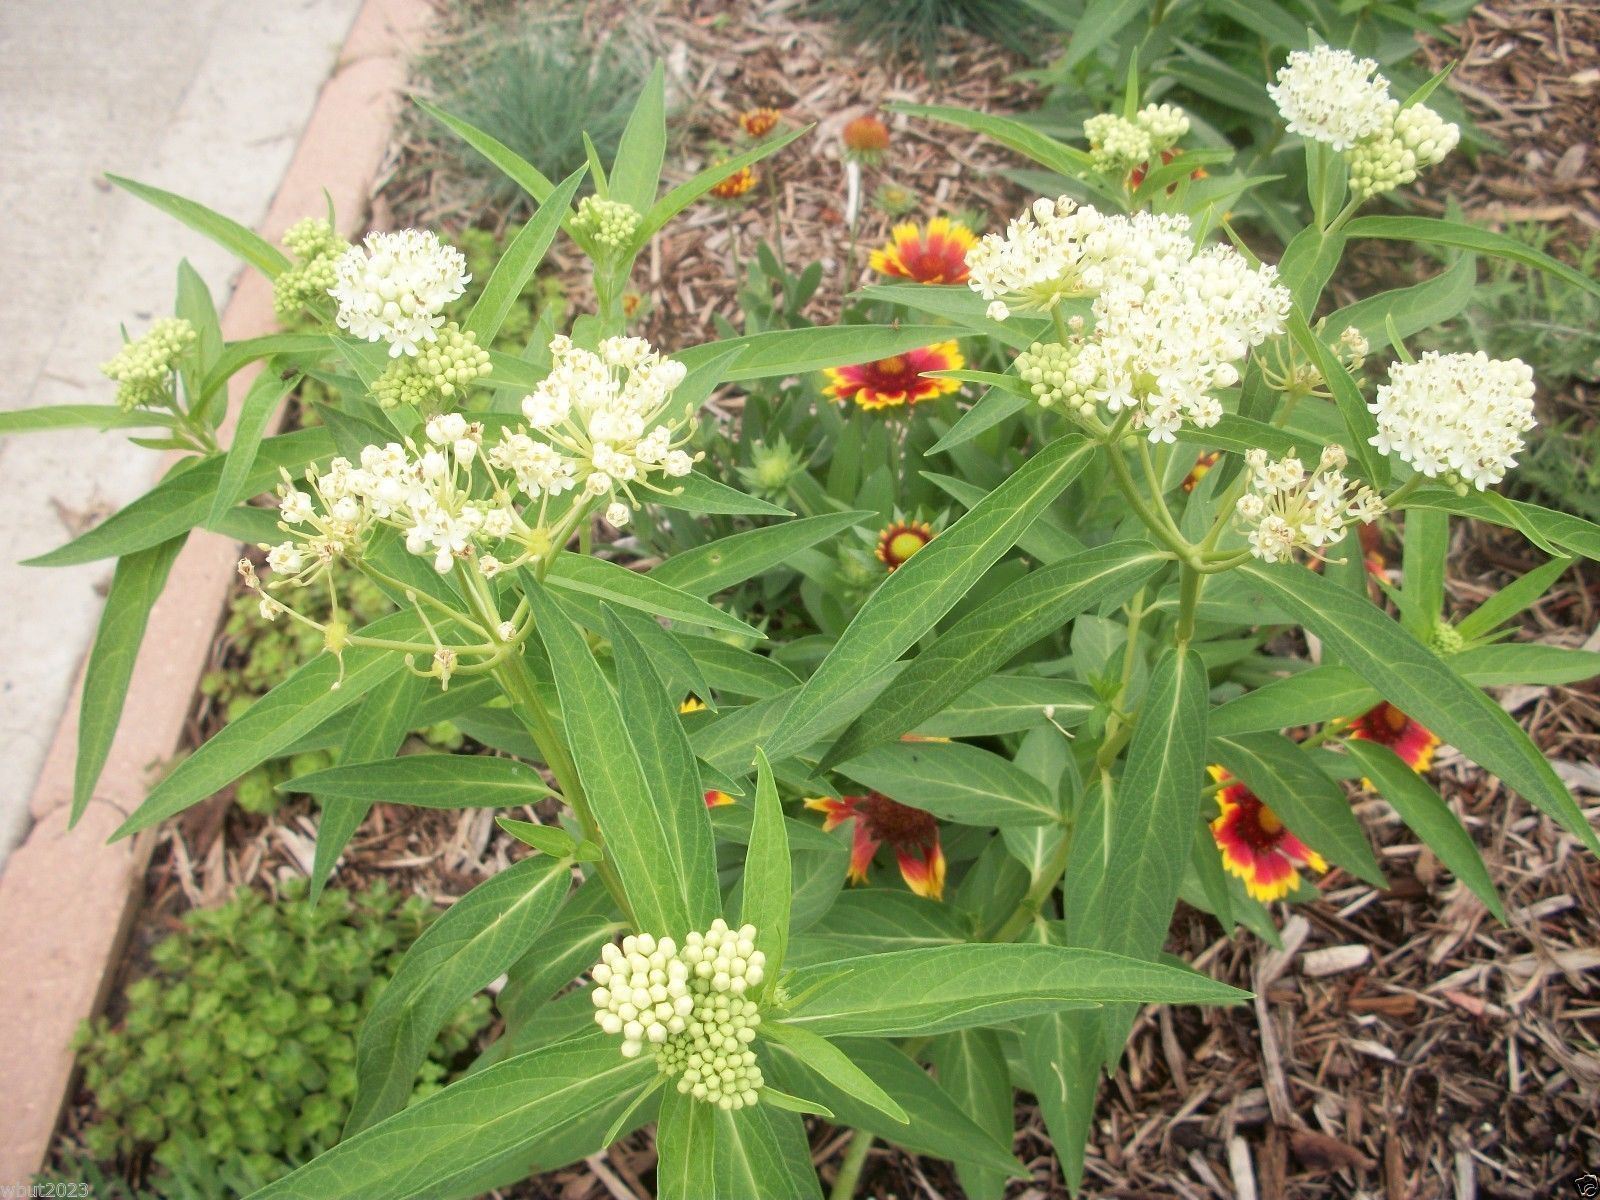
206, 98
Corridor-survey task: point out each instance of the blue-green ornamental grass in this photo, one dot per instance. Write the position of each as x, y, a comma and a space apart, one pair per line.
1064, 709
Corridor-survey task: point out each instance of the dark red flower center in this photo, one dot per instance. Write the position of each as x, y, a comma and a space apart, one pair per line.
900, 825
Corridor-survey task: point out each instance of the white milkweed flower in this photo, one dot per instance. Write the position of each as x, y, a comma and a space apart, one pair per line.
1058, 250
1416, 138
691, 1005
642, 992
1116, 142
1287, 509
604, 413
617, 514
1456, 416
1332, 96
394, 286
1165, 123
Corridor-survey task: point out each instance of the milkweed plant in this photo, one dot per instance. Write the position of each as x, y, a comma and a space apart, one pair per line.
1068, 695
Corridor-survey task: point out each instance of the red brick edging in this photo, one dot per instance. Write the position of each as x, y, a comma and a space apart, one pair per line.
67, 899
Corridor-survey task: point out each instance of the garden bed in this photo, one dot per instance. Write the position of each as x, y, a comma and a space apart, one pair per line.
1402, 1043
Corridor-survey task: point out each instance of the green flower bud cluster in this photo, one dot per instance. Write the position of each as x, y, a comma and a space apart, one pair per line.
1118, 143
1053, 374
316, 247
1413, 139
1444, 639
143, 368
773, 466
691, 1005
609, 223
238, 1053
430, 379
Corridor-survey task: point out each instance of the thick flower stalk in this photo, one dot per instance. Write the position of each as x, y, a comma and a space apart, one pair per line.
1287, 510
1456, 417
143, 368
394, 287
692, 1006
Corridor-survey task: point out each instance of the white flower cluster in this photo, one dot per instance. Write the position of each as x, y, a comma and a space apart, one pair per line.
143, 367
1332, 96
1059, 250
1459, 416
642, 992
1118, 143
1287, 510
394, 286
1416, 137
1170, 323
604, 412
691, 1005
609, 223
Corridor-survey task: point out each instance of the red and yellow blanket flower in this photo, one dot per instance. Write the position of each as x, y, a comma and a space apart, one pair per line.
912, 834
935, 253
716, 799
1388, 726
758, 122
899, 541
1256, 845
897, 380
737, 184
1202, 465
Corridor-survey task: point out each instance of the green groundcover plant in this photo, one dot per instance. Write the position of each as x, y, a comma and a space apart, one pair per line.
1074, 694
235, 1059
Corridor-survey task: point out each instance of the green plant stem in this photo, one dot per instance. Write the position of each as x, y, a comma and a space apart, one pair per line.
855, 1157
1396, 499
517, 682
1189, 584
1166, 536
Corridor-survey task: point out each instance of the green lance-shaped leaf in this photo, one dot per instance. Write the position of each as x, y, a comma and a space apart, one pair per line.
1501, 664
937, 1125
1347, 396
227, 233
992, 634
260, 402
670, 771
1130, 847
1063, 1057
762, 1151
135, 587
1458, 236
958, 782
1314, 807
77, 416
312, 694
955, 987
993, 407
1418, 682
909, 602
516, 168
686, 1133
637, 170
429, 781
183, 500
686, 193
1570, 533
563, 952
765, 898
616, 584
1412, 309
875, 920
381, 723
470, 945
972, 1066
1310, 697
833, 1064
1429, 817
704, 570
521, 259
796, 351
699, 494
1024, 139
1427, 547
436, 1145
966, 308
1011, 703
644, 841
